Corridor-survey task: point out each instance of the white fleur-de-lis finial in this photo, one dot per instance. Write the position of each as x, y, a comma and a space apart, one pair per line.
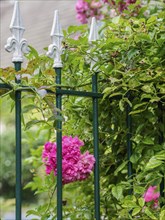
16, 43
93, 36
55, 49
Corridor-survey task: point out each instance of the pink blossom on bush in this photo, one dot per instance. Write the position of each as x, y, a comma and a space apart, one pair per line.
152, 195
86, 10
75, 166
130, 1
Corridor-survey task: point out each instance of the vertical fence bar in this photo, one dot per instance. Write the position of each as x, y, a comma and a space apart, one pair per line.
59, 148
129, 141
19, 46
96, 149
94, 36
55, 51
18, 145
161, 140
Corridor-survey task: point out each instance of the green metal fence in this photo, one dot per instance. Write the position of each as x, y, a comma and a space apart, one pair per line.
19, 46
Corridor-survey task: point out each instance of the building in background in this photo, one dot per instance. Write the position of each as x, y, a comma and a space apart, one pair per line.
38, 19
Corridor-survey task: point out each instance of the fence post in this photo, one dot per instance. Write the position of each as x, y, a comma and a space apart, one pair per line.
93, 36
55, 51
19, 46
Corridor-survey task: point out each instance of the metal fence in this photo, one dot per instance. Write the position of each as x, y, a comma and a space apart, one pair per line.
19, 45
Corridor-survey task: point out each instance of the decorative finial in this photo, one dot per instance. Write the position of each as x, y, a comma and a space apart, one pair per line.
55, 49
16, 43
93, 36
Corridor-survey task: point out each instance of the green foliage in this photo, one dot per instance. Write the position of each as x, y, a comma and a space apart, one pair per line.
131, 65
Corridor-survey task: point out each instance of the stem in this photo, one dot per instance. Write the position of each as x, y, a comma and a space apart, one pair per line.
51, 197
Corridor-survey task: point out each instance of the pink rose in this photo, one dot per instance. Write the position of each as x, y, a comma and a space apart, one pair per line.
152, 196
75, 166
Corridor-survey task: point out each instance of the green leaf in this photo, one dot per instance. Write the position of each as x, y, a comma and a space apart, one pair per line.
137, 111
135, 157
148, 141
148, 88
29, 108
117, 192
151, 19
121, 105
136, 211
120, 167
160, 155
32, 212
33, 51
149, 213
129, 202
153, 163
140, 105
138, 189
162, 215
142, 37
116, 19
141, 202
116, 94
107, 91
131, 53
146, 96
33, 122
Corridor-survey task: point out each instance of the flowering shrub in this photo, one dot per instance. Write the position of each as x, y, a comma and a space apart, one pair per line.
152, 196
86, 9
75, 166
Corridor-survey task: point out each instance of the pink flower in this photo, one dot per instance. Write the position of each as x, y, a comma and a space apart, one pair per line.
81, 6
75, 166
95, 4
86, 10
122, 6
151, 195
82, 18
130, 1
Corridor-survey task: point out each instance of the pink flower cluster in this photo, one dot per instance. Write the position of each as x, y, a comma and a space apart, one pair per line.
86, 10
93, 8
151, 195
75, 165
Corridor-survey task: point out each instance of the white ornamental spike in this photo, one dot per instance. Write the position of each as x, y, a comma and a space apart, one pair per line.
16, 43
55, 49
93, 36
